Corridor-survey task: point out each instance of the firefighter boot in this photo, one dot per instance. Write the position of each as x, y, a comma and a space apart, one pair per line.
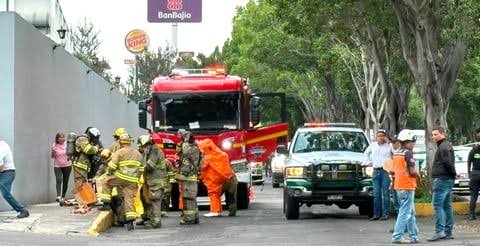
105, 207
130, 225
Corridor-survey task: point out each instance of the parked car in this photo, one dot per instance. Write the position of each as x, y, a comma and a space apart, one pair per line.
278, 165
324, 166
462, 182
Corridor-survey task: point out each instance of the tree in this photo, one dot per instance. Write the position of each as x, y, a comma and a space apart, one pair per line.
86, 43
434, 35
149, 65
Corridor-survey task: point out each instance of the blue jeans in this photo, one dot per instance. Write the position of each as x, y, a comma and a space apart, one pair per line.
381, 193
6, 180
442, 203
406, 216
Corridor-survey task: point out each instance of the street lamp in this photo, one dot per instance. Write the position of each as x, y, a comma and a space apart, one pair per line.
94, 60
117, 79
61, 32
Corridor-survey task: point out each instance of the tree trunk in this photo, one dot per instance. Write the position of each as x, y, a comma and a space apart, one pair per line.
435, 69
335, 105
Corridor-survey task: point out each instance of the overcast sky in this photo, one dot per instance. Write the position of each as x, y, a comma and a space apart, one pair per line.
115, 18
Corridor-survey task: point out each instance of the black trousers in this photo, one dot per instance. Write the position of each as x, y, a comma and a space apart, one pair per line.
474, 187
62, 175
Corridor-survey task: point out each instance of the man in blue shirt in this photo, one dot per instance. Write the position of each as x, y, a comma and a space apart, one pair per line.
377, 155
7, 175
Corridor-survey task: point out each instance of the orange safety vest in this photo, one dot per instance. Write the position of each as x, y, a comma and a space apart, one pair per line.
403, 181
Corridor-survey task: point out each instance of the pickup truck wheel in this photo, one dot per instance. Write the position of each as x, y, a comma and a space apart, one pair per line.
291, 207
366, 208
243, 198
275, 185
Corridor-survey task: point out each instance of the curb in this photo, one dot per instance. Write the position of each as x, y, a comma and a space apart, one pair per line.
102, 223
459, 208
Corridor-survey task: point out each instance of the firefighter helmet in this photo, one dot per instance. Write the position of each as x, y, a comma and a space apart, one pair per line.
125, 139
143, 140
92, 132
119, 132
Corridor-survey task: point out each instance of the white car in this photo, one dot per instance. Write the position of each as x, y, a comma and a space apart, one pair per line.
462, 182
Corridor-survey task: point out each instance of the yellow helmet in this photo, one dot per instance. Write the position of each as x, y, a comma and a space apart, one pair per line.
143, 140
105, 154
125, 139
119, 132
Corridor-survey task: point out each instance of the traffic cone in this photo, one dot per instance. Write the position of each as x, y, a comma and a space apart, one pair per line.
251, 194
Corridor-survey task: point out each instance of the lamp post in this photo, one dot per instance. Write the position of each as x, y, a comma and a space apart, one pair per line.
94, 60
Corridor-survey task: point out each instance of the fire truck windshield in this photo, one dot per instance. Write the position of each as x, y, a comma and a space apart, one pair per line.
196, 111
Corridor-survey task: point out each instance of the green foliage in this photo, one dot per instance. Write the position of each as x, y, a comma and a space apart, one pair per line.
86, 42
416, 113
150, 64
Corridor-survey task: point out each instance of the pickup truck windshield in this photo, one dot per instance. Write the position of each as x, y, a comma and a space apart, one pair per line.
208, 111
330, 141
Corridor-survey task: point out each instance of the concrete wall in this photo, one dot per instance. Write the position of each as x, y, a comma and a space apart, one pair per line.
52, 92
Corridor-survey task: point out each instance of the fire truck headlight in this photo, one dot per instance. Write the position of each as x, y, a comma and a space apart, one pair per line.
227, 143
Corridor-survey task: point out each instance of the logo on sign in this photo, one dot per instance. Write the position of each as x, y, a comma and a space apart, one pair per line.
174, 11
136, 41
174, 5
257, 150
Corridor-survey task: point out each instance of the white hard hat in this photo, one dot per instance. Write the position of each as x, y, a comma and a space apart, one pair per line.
407, 135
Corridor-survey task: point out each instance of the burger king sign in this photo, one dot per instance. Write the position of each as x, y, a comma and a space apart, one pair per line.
137, 41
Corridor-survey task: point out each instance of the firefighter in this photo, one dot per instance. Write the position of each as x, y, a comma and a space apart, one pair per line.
218, 177
156, 179
123, 172
190, 159
116, 136
86, 146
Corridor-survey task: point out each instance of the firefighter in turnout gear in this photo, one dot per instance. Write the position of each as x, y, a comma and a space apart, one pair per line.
156, 180
123, 172
86, 146
190, 159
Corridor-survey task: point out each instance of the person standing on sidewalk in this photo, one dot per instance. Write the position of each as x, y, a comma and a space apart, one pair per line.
61, 165
376, 156
443, 175
405, 184
473, 164
7, 175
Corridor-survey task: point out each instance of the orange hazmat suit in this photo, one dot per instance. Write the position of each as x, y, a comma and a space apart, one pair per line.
216, 171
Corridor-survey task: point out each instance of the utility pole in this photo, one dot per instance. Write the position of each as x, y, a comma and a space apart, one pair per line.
175, 36
8, 2
137, 86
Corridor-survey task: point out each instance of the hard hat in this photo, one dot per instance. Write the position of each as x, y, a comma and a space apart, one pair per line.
125, 139
105, 154
93, 132
119, 132
143, 140
407, 135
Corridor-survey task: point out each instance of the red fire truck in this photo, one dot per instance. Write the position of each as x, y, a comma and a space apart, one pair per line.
212, 104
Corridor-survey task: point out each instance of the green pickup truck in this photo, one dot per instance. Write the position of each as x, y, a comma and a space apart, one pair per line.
324, 166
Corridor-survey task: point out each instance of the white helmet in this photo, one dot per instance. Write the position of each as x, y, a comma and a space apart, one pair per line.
93, 132
407, 135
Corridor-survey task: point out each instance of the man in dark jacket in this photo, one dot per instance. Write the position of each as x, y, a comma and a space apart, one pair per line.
443, 175
474, 175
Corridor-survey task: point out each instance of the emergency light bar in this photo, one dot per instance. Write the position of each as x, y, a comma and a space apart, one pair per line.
325, 124
198, 72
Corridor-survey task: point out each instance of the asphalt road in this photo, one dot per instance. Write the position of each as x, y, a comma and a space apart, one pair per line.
262, 224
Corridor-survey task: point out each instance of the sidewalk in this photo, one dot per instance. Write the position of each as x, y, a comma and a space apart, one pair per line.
49, 219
